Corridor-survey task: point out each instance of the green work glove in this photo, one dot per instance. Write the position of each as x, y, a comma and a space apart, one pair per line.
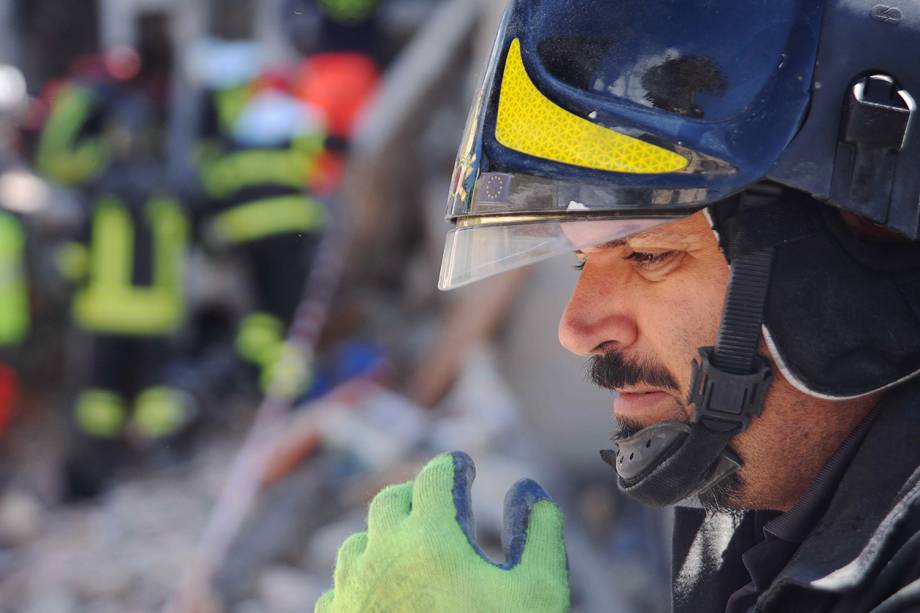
419, 555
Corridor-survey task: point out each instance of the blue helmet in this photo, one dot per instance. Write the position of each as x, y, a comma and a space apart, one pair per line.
640, 111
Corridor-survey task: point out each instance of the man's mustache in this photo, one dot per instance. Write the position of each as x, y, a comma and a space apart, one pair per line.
612, 371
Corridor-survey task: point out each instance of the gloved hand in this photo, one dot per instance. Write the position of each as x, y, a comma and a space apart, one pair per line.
419, 554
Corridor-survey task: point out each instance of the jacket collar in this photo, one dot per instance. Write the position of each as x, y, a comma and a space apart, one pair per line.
880, 486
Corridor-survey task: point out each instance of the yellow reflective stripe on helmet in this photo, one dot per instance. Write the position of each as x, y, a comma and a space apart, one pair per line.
267, 217
14, 297
530, 123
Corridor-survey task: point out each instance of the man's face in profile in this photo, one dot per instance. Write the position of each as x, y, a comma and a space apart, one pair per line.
641, 309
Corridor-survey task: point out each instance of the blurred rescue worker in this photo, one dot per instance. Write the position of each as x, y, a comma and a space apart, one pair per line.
340, 85
338, 74
104, 136
131, 301
741, 195
227, 73
259, 207
272, 147
18, 191
72, 149
339, 70
332, 26
15, 309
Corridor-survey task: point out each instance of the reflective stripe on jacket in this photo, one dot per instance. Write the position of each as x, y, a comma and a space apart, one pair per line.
63, 154
14, 294
111, 302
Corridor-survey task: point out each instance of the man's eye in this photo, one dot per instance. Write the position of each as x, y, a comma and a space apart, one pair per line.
650, 259
579, 266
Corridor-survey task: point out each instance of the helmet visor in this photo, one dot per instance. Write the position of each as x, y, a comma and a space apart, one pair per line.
488, 247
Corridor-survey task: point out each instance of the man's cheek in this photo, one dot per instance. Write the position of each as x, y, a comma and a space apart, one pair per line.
681, 365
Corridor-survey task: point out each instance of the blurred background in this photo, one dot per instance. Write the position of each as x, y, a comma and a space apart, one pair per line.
221, 225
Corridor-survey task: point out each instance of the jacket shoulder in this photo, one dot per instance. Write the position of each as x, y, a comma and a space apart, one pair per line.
883, 578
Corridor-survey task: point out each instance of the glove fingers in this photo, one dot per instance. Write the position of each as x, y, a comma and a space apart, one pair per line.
532, 525
443, 486
349, 557
545, 546
324, 604
389, 507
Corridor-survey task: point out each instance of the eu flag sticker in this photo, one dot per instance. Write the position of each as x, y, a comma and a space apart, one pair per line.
494, 187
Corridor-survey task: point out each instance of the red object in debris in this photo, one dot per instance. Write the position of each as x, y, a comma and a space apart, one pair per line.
272, 80
118, 64
339, 85
9, 390
327, 173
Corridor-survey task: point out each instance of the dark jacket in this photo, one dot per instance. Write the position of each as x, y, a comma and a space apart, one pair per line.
862, 552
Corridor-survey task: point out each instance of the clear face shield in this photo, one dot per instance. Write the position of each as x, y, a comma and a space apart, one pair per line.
476, 251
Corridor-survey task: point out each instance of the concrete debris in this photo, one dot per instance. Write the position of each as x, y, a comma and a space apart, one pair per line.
480, 412
284, 589
379, 431
319, 557
21, 516
120, 554
127, 551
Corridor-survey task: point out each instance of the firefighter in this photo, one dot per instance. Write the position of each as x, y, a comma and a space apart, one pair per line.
104, 137
272, 148
15, 316
15, 184
738, 184
259, 207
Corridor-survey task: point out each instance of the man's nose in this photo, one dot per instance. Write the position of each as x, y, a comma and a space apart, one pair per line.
596, 318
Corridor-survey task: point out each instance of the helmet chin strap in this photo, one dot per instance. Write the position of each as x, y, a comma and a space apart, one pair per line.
671, 461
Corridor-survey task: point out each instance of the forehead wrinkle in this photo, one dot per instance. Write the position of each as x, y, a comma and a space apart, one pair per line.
677, 238
655, 237
679, 235
608, 245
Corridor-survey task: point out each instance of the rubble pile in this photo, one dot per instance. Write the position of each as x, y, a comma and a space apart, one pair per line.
123, 552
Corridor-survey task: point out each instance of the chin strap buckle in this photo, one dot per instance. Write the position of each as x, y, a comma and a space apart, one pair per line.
725, 401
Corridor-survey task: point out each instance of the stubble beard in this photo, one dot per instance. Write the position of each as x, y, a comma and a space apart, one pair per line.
612, 370
722, 497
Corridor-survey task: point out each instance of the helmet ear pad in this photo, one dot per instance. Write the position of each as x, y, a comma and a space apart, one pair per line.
842, 316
